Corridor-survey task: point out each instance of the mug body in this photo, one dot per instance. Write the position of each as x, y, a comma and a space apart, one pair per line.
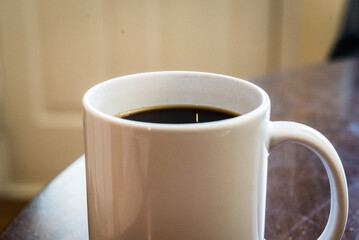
176, 181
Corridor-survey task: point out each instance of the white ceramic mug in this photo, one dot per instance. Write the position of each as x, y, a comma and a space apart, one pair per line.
189, 181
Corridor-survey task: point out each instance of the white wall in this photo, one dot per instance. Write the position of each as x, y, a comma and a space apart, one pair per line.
52, 51
5, 166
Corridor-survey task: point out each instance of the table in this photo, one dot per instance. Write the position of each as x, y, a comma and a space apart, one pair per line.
325, 97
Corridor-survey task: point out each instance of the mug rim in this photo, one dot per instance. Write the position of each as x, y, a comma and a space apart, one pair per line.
242, 119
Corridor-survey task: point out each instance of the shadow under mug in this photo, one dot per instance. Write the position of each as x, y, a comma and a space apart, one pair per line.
189, 181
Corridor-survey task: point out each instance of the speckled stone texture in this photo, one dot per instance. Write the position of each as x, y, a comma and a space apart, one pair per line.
325, 97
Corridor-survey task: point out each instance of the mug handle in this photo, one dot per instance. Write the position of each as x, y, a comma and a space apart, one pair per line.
283, 131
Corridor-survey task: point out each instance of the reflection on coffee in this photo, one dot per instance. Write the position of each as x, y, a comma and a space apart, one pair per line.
177, 114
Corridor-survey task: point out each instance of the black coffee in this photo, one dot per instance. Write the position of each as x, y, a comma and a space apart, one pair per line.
178, 114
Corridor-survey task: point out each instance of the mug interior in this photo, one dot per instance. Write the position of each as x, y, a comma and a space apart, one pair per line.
174, 88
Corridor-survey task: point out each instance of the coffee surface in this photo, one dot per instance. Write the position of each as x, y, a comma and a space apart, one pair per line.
177, 114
